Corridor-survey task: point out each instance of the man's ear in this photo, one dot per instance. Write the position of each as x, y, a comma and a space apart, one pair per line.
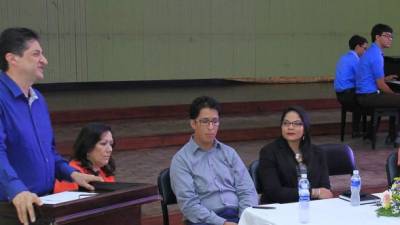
377, 37
193, 124
10, 58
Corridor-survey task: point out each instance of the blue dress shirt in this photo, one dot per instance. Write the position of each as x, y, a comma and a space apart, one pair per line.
345, 71
28, 160
369, 69
206, 181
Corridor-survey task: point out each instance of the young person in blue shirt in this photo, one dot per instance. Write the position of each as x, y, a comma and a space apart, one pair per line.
210, 181
371, 87
29, 162
344, 83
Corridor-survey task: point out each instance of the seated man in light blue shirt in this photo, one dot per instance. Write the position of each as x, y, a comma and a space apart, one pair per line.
210, 181
345, 78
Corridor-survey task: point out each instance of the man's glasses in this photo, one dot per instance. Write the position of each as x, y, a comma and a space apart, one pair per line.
207, 122
389, 36
296, 123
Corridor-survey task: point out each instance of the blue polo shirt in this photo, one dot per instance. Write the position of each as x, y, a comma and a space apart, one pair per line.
345, 71
28, 160
369, 69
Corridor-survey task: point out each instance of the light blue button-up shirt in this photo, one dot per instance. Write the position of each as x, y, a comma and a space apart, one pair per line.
206, 181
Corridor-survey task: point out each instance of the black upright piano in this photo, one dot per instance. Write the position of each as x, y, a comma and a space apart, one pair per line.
392, 66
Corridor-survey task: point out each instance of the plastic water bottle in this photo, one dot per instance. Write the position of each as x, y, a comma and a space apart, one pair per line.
304, 199
355, 188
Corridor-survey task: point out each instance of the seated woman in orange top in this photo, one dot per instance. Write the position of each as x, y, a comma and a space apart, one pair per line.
92, 155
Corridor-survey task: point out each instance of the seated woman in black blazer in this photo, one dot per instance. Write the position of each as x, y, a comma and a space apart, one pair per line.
284, 160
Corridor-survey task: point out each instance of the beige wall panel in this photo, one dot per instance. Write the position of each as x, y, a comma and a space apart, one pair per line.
105, 40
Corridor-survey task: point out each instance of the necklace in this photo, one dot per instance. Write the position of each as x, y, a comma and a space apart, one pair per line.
298, 157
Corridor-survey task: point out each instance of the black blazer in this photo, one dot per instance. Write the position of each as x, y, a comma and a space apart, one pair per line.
278, 174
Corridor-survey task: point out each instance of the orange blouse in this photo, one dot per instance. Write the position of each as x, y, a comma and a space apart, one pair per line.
61, 186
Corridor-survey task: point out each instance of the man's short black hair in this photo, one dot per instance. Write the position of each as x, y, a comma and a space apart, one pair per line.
356, 40
380, 28
13, 40
203, 102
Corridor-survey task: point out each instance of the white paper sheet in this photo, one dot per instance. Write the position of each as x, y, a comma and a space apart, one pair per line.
65, 197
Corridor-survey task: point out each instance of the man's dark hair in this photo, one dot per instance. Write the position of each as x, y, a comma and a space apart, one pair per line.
203, 102
13, 40
356, 40
378, 29
85, 143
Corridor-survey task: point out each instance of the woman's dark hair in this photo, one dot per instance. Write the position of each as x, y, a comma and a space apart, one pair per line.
85, 143
305, 142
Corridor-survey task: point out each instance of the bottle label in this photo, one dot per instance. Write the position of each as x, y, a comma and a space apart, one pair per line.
355, 183
304, 195
304, 198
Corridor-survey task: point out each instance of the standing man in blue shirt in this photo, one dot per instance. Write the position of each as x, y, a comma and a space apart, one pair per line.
344, 83
371, 88
210, 181
29, 162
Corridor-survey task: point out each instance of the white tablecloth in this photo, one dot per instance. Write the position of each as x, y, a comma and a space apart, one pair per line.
322, 212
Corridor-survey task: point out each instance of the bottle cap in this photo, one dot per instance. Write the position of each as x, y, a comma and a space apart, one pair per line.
355, 172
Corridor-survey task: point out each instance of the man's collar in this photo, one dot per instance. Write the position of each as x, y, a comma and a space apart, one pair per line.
32, 96
195, 147
16, 90
11, 85
354, 53
375, 45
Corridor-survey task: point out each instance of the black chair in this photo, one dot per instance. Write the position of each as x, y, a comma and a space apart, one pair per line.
392, 170
168, 196
340, 158
377, 113
253, 170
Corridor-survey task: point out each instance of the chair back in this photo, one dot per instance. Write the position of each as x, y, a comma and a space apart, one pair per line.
167, 195
253, 170
392, 170
340, 158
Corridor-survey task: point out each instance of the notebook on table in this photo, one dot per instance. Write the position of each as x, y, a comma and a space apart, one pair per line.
364, 197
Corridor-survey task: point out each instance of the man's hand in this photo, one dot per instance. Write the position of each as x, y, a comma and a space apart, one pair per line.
391, 77
229, 223
23, 203
83, 179
325, 193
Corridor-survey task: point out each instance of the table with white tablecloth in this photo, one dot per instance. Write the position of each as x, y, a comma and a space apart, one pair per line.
333, 211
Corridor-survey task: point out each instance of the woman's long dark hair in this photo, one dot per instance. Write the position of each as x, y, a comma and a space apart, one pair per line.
85, 143
305, 142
